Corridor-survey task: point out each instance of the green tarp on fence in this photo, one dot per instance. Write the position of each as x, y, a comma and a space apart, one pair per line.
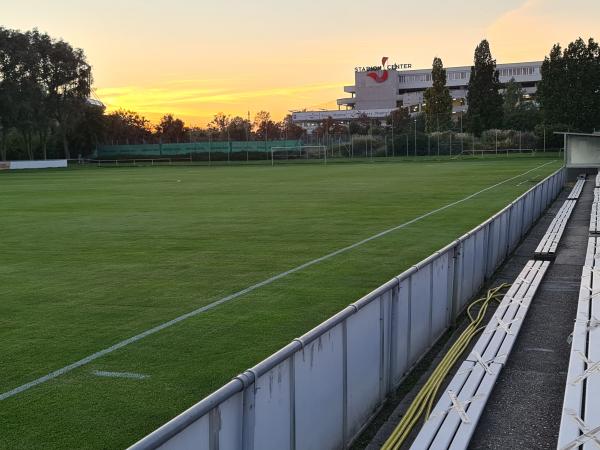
187, 148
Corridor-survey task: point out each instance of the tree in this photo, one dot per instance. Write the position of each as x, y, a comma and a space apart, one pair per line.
399, 120
483, 96
12, 48
127, 127
238, 129
219, 125
264, 127
67, 81
518, 114
438, 101
569, 92
171, 129
513, 95
90, 129
289, 129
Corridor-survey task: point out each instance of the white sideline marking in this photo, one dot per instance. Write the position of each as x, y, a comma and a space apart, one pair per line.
136, 376
235, 295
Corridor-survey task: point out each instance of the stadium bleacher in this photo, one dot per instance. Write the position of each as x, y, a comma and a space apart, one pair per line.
580, 419
576, 191
456, 414
546, 249
450, 425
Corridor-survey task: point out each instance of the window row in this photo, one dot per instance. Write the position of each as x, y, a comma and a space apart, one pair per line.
517, 71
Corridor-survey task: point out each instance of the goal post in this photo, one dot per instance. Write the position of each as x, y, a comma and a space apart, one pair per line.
299, 153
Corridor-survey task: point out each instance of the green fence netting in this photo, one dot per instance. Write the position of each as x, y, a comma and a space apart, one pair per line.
190, 148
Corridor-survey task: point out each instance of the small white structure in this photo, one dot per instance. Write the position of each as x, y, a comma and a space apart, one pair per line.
582, 150
42, 164
582, 153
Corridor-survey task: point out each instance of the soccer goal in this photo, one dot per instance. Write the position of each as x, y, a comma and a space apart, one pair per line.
298, 153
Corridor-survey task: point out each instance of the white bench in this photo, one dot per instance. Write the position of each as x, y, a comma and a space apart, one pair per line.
576, 191
546, 249
580, 421
598, 179
453, 420
595, 219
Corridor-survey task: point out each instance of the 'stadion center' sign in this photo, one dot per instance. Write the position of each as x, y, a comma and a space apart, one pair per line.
383, 66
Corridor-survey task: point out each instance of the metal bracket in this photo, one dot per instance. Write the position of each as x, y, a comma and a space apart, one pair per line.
503, 325
483, 363
593, 295
458, 406
587, 433
593, 367
591, 324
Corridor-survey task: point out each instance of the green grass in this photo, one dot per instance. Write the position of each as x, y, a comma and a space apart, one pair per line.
91, 257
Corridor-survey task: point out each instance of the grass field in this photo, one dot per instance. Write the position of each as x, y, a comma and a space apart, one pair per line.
91, 257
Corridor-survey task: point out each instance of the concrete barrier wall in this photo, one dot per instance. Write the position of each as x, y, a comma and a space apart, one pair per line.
42, 164
319, 391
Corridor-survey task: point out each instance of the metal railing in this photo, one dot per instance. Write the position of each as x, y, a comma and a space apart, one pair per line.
320, 390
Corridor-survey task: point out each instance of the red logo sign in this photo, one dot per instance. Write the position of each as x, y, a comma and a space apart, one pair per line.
380, 78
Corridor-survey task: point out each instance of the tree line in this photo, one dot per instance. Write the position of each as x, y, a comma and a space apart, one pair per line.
567, 98
44, 89
46, 84
129, 127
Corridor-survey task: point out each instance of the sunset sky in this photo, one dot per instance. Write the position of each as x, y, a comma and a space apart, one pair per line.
197, 58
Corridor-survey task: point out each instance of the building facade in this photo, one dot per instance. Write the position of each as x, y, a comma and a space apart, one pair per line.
377, 91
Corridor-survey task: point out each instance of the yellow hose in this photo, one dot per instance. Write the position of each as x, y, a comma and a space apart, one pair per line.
424, 400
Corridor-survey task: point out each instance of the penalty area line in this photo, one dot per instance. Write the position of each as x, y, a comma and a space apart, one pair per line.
156, 329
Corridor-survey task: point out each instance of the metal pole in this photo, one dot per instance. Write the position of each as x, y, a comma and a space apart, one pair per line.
520, 142
450, 143
544, 138
415, 138
407, 145
385, 142
393, 149
428, 144
496, 142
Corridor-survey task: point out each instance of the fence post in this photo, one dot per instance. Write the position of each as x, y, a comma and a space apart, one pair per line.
457, 280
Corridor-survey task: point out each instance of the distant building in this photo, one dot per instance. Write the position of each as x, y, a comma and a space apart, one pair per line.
379, 90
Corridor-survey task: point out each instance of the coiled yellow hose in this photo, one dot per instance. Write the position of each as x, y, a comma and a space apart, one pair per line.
423, 402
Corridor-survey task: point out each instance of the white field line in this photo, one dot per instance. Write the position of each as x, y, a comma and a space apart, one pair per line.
235, 295
135, 376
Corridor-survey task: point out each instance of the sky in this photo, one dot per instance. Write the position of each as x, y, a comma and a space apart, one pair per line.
197, 58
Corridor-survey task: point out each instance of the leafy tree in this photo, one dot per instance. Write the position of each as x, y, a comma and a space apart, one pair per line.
518, 113
438, 101
569, 92
399, 120
289, 129
360, 125
67, 83
483, 96
524, 116
90, 129
238, 129
126, 127
171, 129
264, 127
219, 125
513, 95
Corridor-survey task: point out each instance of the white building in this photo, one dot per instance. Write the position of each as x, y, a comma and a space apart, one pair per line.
379, 90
